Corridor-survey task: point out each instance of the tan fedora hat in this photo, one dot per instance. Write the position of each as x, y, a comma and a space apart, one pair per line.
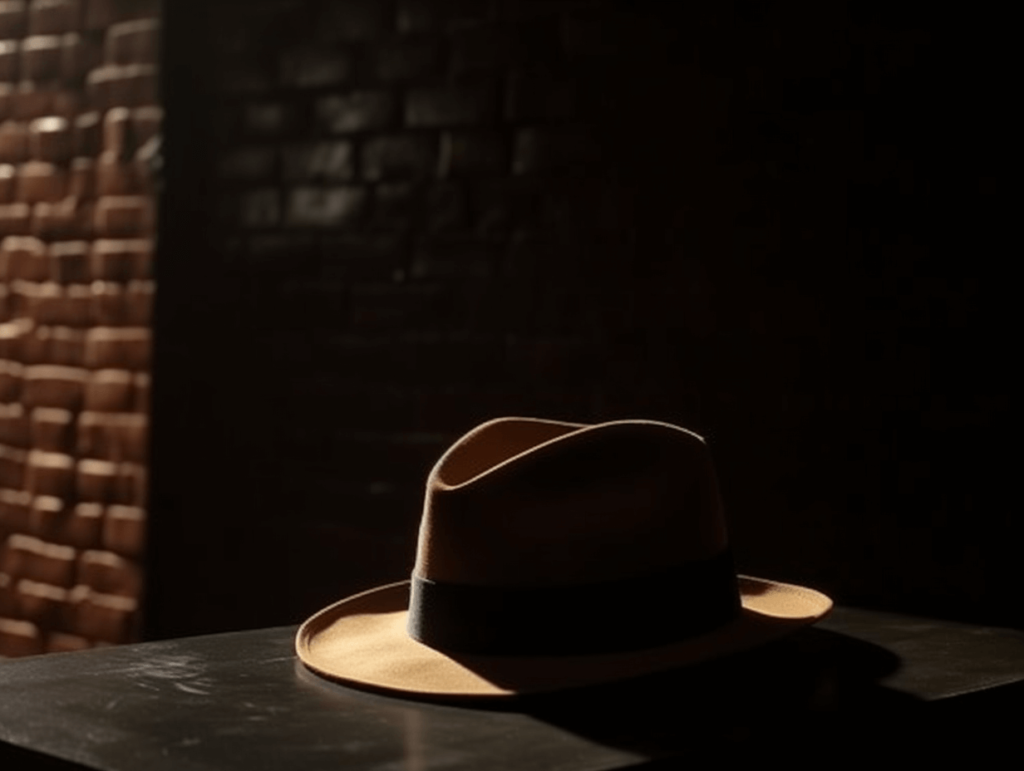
555, 555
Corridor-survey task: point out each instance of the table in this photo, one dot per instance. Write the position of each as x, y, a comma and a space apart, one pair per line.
859, 682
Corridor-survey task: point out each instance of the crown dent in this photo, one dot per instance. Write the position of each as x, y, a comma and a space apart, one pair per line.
581, 504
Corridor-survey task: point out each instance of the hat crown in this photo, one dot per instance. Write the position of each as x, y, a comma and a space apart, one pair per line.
532, 503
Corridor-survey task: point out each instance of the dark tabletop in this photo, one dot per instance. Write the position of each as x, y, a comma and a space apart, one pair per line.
858, 681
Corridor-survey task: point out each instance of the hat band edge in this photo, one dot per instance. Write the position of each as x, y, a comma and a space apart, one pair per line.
607, 617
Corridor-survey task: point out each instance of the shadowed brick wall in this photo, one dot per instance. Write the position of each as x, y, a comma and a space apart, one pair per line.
78, 118
388, 220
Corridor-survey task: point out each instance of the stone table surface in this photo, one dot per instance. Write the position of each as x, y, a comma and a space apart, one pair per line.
860, 680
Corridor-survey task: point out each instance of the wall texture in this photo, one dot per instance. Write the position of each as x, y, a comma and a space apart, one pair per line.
78, 117
388, 220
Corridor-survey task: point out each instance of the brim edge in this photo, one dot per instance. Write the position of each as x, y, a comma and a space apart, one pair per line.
779, 626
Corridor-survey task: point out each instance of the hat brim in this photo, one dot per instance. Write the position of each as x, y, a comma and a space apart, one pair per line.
362, 641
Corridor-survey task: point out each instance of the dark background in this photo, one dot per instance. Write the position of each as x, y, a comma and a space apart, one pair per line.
778, 224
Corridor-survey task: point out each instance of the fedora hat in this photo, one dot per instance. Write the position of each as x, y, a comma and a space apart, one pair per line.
555, 555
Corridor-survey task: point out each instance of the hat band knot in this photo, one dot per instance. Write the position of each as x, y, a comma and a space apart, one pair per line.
629, 614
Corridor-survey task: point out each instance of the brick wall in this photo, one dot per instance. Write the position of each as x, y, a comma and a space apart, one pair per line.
388, 220
78, 118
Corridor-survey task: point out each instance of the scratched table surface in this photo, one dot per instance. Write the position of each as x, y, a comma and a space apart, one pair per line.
859, 680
